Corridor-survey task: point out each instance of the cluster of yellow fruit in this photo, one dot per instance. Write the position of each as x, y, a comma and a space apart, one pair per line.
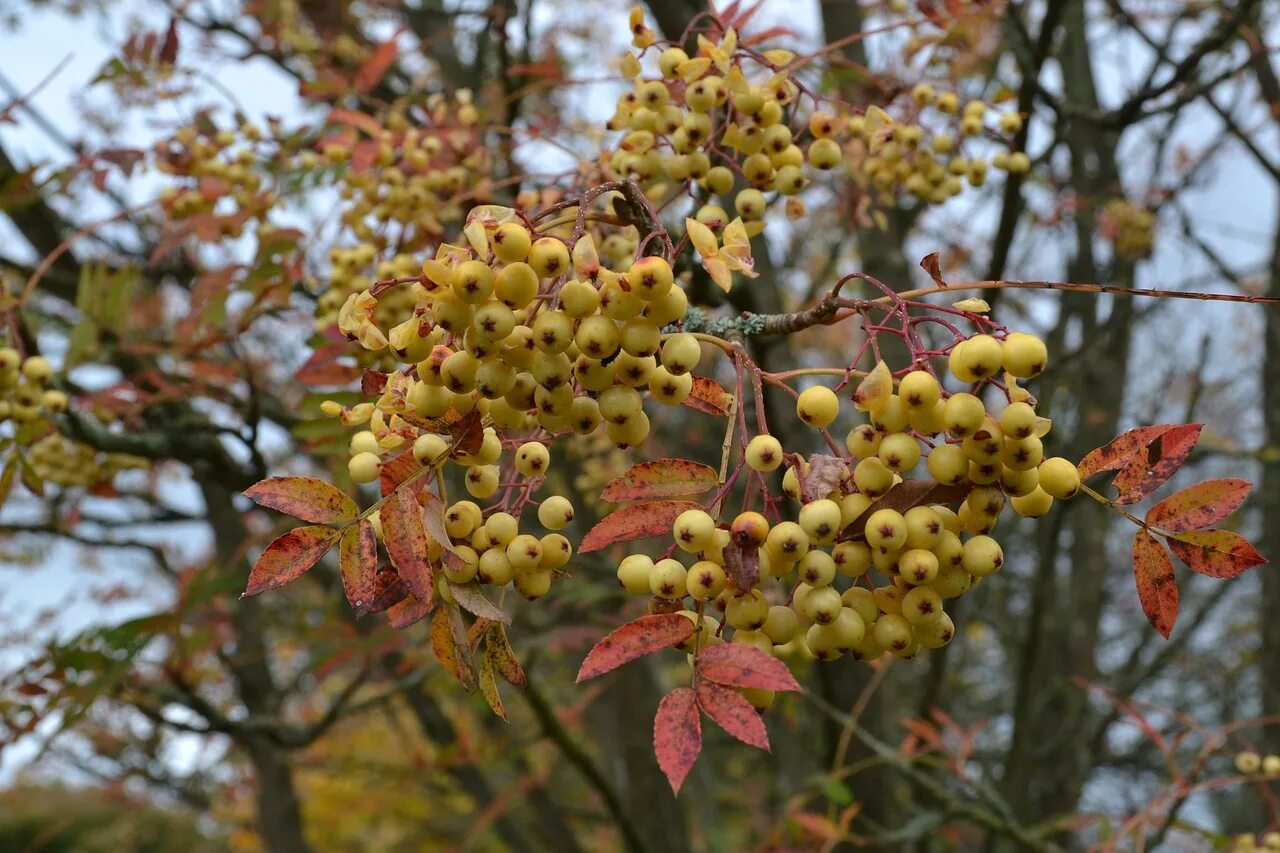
1130, 226
59, 460
216, 165
1269, 841
497, 326
24, 392
924, 552
729, 116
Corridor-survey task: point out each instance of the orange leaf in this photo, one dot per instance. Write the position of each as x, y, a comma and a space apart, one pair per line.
370, 74
1198, 506
1156, 463
358, 557
661, 478
740, 665
677, 735
637, 521
306, 498
1157, 586
638, 638
707, 396
1121, 450
406, 542
449, 642
396, 470
408, 611
1215, 553
357, 120
733, 713
290, 556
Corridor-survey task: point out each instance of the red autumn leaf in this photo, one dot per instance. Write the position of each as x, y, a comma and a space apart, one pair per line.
358, 558
1157, 586
1156, 463
638, 638
733, 713
372, 382
1215, 553
1121, 450
169, 47
473, 600
306, 498
707, 396
677, 735
637, 521
661, 478
740, 665
1198, 506
406, 542
396, 470
408, 611
388, 591
356, 119
370, 73
498, 648
468, 431
289, 557
322, 369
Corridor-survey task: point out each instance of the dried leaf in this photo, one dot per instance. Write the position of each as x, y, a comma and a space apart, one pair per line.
307, 498
636, 521
637, 638
450, 644
358, 558
1157, 586
289, 557
661, 478
733, 713
907, 494
473, 600
823, 477
498, 648
1215, 553
1121, 450
1198, 506
707, 396
1156, 463
388, 591
396, 470
929, 263
489, 687
406, 542
742, 565
677, 735
875, 388
740, 665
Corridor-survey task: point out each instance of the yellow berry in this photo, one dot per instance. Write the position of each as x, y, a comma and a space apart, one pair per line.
1059, 477
817, 406
364, 467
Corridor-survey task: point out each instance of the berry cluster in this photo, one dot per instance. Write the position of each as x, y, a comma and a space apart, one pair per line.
24, 392
862, 567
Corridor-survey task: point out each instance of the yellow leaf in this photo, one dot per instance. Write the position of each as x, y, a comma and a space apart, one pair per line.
701, 237
438, 273
586, 261
478, 237
692, 69
719, 272
629, 65
777, 56
973, 305
875, 389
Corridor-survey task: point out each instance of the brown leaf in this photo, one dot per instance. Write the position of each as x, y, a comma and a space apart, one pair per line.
637, 638
169, 47
929, 263
1157, 586
1215, 553
358, 558
740, 665
733, 713
396, 470
661, 478
468, 432
1198, 506
742, 565
677, 735
707, 396
388, 590
372, 382
907, 494
307, 498
451, 647
498, 648
406, 542
473, 600
289, 557
637, 521
824, 476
